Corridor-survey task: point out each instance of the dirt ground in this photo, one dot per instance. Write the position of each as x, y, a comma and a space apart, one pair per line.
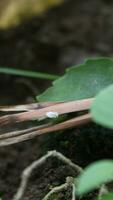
60, 38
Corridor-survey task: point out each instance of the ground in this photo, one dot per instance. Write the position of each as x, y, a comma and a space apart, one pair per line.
62, 37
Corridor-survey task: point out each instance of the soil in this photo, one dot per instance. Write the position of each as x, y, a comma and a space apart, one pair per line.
62, 37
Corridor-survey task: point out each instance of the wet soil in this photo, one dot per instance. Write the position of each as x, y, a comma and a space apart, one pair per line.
62, 37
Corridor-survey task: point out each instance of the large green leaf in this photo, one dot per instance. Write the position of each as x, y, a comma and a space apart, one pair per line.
83, 81
94, 175
102, 107
109, 196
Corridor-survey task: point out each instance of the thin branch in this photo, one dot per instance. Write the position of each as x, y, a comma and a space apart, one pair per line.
28, 171
27, 107
18, 133
61, 126
60, 108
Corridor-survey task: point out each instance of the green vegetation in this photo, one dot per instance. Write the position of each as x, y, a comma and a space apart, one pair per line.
95, 175
81, 81
94, 78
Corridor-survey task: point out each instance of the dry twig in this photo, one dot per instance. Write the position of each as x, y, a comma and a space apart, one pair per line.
60, 108
27, 107
21, 132
39, 111
61, 126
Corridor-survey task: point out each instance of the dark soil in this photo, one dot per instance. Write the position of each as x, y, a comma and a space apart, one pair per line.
64, 36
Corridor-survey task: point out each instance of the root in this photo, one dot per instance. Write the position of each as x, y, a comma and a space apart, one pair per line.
28, 171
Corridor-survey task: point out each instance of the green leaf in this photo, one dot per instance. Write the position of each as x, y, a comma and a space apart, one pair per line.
108, 197
94, 175
102, 107
79, 82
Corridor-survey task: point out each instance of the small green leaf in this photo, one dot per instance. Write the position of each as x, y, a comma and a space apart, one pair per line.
94, 175
79, 82
102, 107
108, 197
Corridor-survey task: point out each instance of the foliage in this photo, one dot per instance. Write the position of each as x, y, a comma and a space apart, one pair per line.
79, 82
92, 79
102, 108
85, 81
94, 175
108, 197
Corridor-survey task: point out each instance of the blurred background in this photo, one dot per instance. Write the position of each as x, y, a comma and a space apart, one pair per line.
49, 36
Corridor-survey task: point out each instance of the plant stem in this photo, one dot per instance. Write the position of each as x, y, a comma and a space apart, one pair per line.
60, 108
32, 74
52, 128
